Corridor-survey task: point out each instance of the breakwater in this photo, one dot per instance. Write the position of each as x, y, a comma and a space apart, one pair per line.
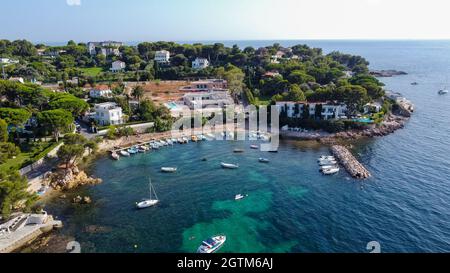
350, 163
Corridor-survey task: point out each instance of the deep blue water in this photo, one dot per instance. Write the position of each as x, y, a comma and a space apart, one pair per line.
291, 208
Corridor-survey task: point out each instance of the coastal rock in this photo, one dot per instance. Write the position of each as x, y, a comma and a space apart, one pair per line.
66, 179
82, 200
387, 73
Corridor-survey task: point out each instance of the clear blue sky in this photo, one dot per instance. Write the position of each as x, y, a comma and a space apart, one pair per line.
180, 20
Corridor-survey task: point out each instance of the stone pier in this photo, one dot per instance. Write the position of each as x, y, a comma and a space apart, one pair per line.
350, 163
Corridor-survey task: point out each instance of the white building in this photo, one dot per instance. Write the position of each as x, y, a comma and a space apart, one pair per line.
17, 79
106, 48
8, 61
108, 113
118, 66
200, 63
100, 93
329, 110
208, 100
373, 107
162, 56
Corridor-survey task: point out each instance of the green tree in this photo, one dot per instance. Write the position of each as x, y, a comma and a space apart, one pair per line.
138, 92
235, 78
55, 121
111, 133
69, 153
13, 193
355, 97
92, 146
72, 139
3, 131
15, 116
295, 93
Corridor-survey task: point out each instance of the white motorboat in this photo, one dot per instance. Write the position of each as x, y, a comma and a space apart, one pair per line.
169, 169
185, 140
326, 157
443, 92
148, 202
264, 160
239, 197
115, 156
124, 153
331, 171
212, 244
229, 166
254, 147
327, 162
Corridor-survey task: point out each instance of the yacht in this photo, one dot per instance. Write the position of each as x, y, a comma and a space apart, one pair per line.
115, 156
264, 160
254, 147
239, 197
327, 162
146, 203
212, 244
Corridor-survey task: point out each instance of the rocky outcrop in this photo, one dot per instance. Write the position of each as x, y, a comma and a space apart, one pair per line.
66, 179
82, 200
391, 124
387, 73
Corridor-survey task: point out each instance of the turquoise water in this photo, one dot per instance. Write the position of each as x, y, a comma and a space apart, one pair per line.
364, 120
291, 207
171, 105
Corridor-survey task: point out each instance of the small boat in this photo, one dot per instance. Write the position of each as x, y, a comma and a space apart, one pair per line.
132, 151
239, 197
202, 137
273, 151
212, 244
325, 158
148, 202
168, 169
142, 149
210, 136
254, 147
331, 171
180, 140
174, 140
414, 83
194, 138
185, 140
229, 166
238, 151
264, 160
163, 143
443, 92
327, 162
124, 153
327, 167
115, 156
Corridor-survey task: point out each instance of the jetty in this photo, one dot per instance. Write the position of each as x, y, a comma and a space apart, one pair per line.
23, 229
350, 163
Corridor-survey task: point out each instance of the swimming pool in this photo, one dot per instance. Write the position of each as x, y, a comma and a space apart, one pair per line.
171, 105
363, 120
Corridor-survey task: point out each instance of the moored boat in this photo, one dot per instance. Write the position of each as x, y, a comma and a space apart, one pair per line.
132, 150
115, 156
124, 153
239, 197
229, 166
146, 203
168, 169
238, 151
254, 147
331, 171
194, 138
327, 162
264, 160
212, 244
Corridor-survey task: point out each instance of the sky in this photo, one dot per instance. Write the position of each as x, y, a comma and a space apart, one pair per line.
210, 20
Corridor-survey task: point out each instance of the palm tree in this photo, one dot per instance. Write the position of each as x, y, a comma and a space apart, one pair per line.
138, 92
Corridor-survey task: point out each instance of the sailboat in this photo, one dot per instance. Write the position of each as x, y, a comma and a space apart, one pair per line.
443, 91
148, 202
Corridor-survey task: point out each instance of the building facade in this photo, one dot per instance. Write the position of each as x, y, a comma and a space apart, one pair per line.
162, 56
329, 110
108, 113
118, 66
206, 86
100, 92
200, 63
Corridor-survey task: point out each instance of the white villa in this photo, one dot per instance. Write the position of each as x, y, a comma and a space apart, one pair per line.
8, 61
107, 48
329, 110
118, 66
108, 113
200, 63
207, 100
100, 92
162, 56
